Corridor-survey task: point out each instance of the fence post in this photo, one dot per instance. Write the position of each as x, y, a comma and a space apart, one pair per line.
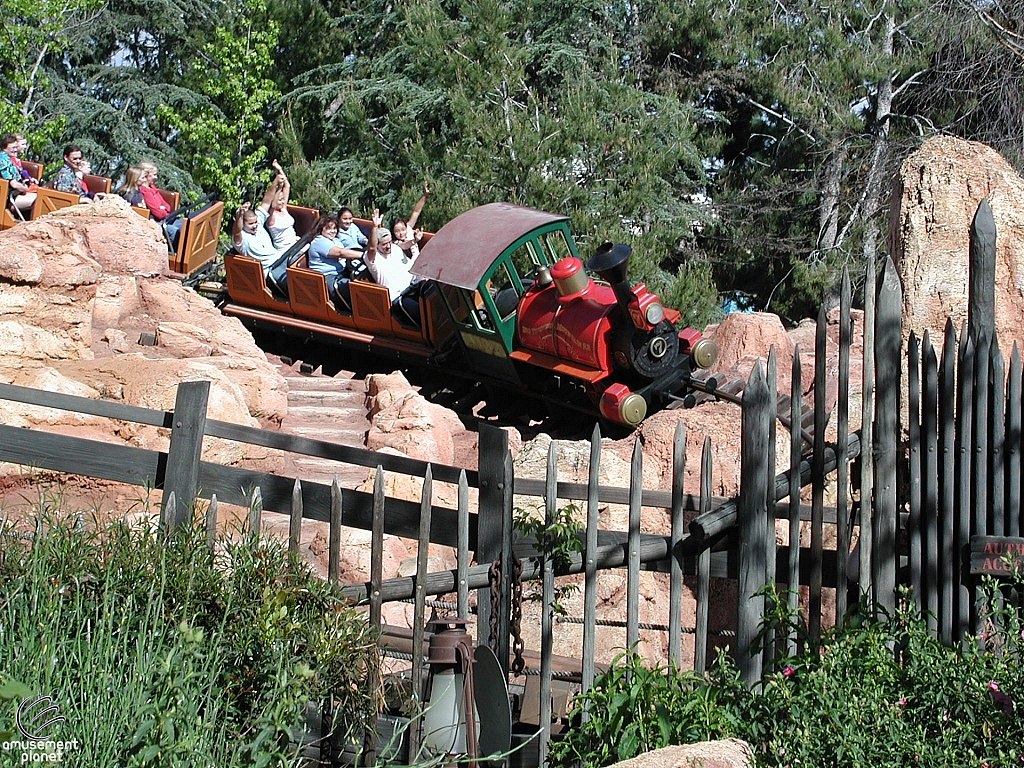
981, 306
752, 522
888, 338
182, 474
494, 523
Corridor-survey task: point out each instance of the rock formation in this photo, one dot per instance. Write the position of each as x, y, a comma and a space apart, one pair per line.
936, 197
728, 753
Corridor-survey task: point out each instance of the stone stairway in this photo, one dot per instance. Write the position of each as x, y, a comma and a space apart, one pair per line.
332, 409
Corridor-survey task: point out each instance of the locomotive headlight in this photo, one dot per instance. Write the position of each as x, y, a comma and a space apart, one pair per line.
655, 313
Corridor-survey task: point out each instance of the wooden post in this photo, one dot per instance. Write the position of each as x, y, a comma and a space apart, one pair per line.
547, 601
256, 512
636, 486
1013, 444
843, 523
211, 521
700, 640
997, 445
675, 591
867, 466
590, 566
914, 528
419, 608
981, 307
930, 482
818, 481
295, 519
182, 474
887, 421
462, 564
752, 518
491, 525
334, 534
947, 478
965, 495
796, 407
377, 550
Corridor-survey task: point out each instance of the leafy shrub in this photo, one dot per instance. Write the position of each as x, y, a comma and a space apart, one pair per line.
879, 691
172, 654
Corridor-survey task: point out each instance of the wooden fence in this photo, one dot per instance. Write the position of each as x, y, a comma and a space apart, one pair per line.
931, 479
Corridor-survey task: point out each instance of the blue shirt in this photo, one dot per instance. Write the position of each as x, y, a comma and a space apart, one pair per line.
320, 261
352, 237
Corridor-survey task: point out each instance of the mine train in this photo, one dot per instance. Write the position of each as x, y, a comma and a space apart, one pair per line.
505, 299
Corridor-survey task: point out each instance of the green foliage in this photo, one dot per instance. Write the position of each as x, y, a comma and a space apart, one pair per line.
170, 654
560, 538
879, 691
225, 135
32, 31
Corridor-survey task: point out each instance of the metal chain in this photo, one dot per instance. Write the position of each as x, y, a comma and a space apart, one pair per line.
516, 617
494, 579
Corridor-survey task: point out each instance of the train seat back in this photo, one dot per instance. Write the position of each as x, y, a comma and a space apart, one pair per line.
173, 198
98, 185
35, 169
9, 215
50, 200
305, 218
246, 284
310, 297
199, 239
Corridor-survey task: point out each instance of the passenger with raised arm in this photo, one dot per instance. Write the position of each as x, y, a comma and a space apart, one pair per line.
390, 266
250, 234
68, 179
405, 232
348, 231
280, 223
22, 194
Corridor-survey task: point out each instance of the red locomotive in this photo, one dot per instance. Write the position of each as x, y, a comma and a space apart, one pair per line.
508, 302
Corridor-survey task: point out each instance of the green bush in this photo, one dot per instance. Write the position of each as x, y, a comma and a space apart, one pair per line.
172, 654
879, 691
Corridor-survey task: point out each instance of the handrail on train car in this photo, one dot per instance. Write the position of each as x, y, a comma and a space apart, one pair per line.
185, 209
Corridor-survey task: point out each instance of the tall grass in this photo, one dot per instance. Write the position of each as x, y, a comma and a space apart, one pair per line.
163, 653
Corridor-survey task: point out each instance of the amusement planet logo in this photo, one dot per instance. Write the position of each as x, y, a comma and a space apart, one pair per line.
35, 717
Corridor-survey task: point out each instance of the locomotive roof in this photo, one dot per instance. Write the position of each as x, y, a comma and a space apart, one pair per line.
464, 248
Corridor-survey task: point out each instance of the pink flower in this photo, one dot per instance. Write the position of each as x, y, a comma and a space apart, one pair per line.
789, 671
1000, 699
983, 635
903, 701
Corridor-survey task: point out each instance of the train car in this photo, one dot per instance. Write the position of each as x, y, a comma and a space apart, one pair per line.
506, 300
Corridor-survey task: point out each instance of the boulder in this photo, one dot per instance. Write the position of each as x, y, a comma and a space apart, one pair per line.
728, 753
402, 419
937, 194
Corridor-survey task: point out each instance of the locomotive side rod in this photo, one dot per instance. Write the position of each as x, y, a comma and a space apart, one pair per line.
710, 387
